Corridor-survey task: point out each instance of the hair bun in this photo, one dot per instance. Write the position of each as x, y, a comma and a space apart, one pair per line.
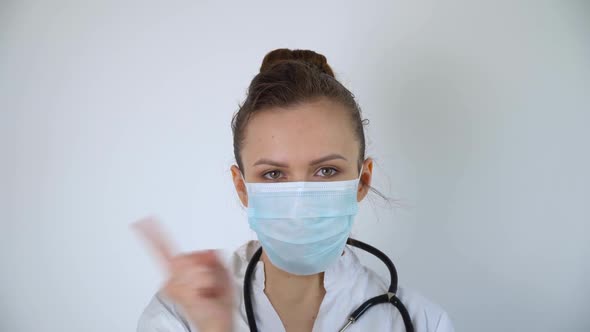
307, 56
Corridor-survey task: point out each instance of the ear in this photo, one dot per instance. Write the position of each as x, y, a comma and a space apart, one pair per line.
239, 184
365, 179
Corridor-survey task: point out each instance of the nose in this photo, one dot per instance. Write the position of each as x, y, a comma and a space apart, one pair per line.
300, 175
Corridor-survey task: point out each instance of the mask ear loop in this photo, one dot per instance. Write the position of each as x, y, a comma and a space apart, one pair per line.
245, 183
360, 175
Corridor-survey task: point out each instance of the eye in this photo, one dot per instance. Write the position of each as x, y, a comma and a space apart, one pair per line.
327, 171
272, 175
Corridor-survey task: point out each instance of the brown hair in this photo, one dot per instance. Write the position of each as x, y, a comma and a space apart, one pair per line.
290, 77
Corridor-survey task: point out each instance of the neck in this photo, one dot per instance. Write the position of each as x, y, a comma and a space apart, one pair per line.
290, 288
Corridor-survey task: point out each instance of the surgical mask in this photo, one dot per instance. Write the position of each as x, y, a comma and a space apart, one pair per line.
302, 226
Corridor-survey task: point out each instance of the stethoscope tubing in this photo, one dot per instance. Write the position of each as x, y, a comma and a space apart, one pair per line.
390, 296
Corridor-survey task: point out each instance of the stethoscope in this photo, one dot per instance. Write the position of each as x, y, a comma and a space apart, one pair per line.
390, 296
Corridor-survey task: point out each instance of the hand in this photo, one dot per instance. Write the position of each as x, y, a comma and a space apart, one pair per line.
197, 281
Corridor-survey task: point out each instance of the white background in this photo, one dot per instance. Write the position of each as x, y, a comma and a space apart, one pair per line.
480, 112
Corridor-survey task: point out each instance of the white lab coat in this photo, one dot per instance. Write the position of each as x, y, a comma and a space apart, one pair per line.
348, 284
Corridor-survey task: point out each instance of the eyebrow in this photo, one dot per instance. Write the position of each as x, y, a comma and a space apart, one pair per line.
265, 161
327, 158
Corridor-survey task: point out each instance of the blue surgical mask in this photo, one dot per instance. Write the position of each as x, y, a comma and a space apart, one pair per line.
302, 226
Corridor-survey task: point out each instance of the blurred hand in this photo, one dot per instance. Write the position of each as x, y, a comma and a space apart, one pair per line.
197, 281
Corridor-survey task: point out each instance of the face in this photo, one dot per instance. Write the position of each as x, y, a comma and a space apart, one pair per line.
314, 141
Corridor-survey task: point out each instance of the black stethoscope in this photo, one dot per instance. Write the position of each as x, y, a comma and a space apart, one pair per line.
385, 298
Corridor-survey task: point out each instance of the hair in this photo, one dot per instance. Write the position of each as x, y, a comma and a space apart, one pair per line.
292, 77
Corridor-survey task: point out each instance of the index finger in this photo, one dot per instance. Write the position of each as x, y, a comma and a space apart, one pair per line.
149, 229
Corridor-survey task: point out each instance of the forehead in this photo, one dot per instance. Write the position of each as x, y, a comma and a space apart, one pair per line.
302, 132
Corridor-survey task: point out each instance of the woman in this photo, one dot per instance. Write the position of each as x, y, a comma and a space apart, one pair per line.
300, 169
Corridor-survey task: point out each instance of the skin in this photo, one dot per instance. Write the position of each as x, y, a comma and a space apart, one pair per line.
313, 141
197, 281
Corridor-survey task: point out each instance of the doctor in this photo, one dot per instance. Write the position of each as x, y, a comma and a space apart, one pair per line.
299, 146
